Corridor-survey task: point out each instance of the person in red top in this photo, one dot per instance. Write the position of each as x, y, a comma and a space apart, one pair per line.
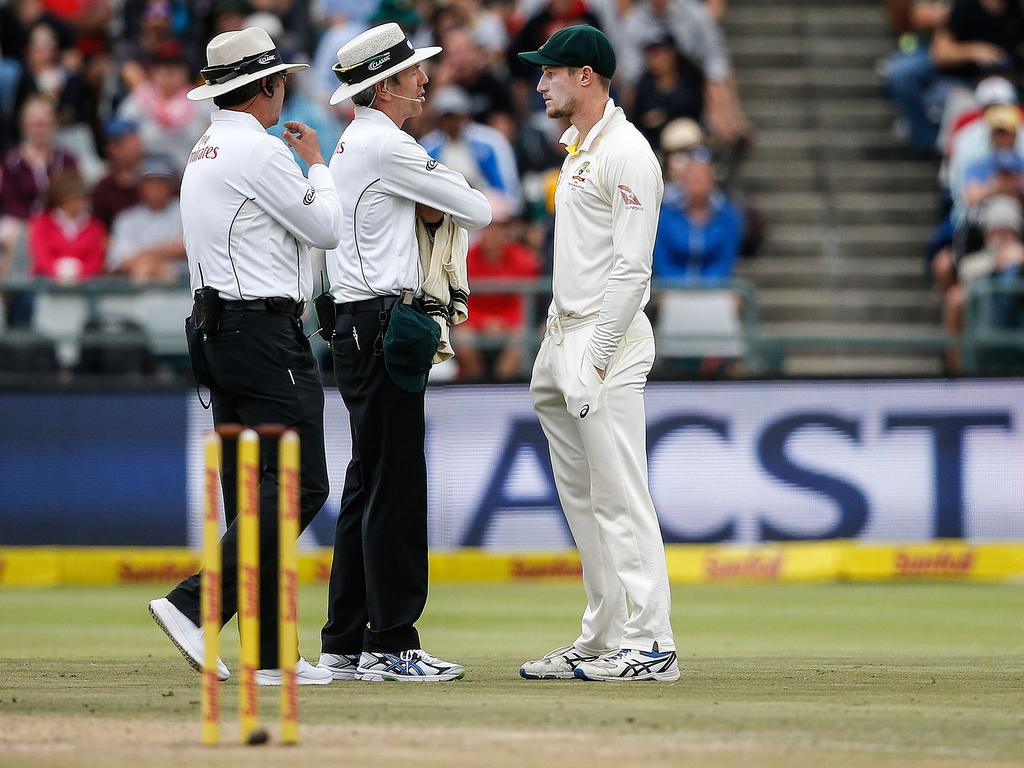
67, 242
496, 256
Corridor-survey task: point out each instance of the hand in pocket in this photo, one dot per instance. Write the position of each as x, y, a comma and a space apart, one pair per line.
584, 394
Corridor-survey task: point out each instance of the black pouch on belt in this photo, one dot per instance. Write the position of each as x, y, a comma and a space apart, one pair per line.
204, 320
326, 315
206, 308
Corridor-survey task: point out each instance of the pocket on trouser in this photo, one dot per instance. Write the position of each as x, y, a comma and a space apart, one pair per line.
581, 385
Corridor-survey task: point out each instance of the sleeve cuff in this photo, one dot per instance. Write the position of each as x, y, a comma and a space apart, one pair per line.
320, 176
599, 364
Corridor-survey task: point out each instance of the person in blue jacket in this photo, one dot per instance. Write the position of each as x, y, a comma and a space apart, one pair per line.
700, 231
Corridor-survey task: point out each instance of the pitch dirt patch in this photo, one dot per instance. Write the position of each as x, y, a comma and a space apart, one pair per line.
70, 742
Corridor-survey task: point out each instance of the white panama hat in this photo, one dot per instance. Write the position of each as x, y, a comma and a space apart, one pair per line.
237, 58
375, 55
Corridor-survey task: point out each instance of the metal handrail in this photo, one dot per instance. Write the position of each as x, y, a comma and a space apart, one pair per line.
980, 331
763, 354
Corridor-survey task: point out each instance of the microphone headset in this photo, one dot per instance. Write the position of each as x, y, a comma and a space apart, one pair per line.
417, 99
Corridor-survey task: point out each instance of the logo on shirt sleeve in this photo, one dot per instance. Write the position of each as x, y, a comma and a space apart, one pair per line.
431, 165
630, 199
310, 197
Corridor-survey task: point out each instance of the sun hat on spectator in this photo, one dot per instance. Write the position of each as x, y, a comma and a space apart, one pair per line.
1003, 117
268, 22
373, 56
168, 52
237, 58
995, 90
577, 46
680, 135
158, 167
659, 39
1001, 212
158, 10
451, 100
119, 127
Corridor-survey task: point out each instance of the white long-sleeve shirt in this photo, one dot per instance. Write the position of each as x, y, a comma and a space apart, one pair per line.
250, 216
607, 203
381, 174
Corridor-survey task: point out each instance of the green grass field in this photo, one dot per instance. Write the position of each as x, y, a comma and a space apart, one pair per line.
838, 675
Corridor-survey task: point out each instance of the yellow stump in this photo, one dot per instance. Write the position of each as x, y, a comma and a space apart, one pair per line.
249, 578
288, 605
211, 594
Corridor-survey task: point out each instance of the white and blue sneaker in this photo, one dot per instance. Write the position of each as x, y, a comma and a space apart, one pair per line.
627, 665
559, 664
343, 666
413, 666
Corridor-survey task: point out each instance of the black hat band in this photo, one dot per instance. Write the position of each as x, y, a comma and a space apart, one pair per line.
386, 59
222, 73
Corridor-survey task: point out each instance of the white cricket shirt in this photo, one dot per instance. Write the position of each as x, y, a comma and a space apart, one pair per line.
607, 203
381, 174
250, 216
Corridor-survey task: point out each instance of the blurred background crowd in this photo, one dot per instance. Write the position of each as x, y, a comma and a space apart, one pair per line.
954, 82
94, 131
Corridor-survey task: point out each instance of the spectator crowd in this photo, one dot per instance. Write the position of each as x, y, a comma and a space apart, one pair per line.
95, 130
955, 83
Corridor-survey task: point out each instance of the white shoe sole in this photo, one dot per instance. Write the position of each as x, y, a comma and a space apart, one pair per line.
546, 676
659, 677
264, 679
168, 624
384, 677
339, 674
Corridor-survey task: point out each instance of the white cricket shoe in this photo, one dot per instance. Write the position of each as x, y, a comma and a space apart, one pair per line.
559, 664
627, 665
342, 666
305, 674
412, 666
186, 636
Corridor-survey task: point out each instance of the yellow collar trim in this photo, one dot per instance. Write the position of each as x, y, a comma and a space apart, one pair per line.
572, 149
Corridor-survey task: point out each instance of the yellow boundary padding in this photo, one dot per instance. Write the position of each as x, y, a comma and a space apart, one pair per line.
687, 564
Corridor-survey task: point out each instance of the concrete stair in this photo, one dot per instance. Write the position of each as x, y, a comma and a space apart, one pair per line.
848, 208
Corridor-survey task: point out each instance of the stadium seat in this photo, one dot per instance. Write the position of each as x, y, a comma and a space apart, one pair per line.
699, 324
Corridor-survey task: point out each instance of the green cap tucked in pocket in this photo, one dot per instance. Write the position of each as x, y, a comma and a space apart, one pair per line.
410, 343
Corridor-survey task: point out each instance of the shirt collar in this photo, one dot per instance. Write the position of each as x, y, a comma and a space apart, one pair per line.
238, 118
572, 136
375, 116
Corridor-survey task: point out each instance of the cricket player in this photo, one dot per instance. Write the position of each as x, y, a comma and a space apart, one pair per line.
589, 376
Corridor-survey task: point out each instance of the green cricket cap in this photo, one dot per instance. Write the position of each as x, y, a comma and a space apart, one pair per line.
577, 46
409, 346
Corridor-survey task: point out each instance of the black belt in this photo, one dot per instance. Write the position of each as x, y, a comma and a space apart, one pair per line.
379, 304
271, 304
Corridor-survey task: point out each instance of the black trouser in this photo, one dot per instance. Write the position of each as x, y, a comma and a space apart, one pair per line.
253, 361
378, 582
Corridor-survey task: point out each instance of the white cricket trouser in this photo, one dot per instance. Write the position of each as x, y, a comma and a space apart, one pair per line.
600, 468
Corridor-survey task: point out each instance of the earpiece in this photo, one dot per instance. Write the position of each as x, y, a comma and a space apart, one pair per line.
268, 87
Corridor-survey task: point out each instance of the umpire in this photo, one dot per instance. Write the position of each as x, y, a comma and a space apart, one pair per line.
378, 582
249, 218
